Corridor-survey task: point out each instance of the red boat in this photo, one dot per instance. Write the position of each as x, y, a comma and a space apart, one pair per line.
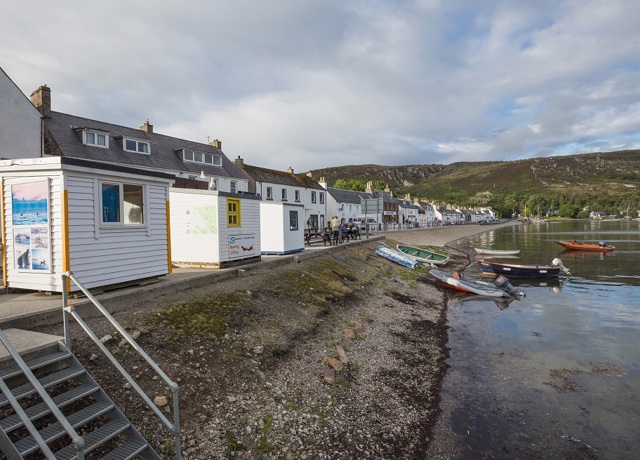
574, 245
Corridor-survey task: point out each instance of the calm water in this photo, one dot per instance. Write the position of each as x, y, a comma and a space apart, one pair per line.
557, 374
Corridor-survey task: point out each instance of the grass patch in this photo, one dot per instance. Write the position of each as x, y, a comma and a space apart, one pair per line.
206, 317
264, 446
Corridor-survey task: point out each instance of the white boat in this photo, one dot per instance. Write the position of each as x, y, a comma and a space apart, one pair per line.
497, 252
397, 257
499, 288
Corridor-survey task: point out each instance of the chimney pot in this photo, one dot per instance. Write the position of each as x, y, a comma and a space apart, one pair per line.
147, 127
290, 170
239, 162
41, 100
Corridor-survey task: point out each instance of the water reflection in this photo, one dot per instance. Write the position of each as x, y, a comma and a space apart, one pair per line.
555, 375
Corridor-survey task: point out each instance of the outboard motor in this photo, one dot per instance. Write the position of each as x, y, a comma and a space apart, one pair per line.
558, 263
503, 283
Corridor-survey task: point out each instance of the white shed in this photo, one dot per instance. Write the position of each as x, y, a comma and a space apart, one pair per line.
282, 229
214, 229
107, 224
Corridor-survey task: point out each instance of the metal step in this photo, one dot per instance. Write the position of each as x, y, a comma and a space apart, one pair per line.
54, 431
42, 361
126, 451
46, 381
94, 439
40, 410
112, 425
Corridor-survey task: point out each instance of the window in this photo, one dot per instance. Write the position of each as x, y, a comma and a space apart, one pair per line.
269, 193
193, 156
321, 197
296, 194
293, 220
313, 197
97, 138
233, 212
122, 204
284, 194
133, 145
233, 186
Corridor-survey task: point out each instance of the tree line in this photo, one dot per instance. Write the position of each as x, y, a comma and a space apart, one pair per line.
571, 204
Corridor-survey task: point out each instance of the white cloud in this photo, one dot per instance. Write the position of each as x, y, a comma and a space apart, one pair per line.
315, 84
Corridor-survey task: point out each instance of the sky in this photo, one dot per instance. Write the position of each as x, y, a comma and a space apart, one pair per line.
324, 83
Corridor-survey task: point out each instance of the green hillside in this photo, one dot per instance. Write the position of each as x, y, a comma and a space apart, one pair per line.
581, 180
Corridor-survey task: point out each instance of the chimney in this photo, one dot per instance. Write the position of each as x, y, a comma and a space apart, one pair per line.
323, 183
310, 174
239, 162
407, 197
147, 127
290, 170
369, 188
216, 144
41, 100
416, 201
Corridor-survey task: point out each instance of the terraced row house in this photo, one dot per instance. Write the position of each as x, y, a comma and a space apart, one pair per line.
118, 205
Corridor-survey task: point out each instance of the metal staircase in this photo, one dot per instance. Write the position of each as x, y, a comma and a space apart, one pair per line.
85, 406
50, 407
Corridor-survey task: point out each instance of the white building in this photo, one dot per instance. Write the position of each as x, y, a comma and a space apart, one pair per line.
105, 223
20, 123
274, 186
195, 165
214, 229
347, 205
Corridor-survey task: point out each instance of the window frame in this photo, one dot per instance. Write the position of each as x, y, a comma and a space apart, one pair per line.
284, 194
236, 212
138, 144
233, 186
216, 160
296, 195
269, 193
294, 221
313, 196
124, 206
321, 197
97, 134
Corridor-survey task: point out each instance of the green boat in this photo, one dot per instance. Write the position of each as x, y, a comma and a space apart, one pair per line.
424, 255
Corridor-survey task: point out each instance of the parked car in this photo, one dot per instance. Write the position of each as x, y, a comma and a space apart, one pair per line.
371, 223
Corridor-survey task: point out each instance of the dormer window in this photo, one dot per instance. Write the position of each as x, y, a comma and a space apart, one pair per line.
193, 156
134, 145
95, 138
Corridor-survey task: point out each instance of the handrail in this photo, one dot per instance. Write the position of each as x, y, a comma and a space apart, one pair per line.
76, 439
70, 310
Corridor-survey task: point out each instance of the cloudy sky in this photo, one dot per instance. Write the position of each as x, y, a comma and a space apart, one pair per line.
311, 84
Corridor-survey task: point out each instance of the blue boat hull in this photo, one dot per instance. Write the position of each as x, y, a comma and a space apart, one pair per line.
397, 257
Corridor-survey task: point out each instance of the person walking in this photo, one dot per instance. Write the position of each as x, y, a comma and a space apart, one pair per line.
335, 228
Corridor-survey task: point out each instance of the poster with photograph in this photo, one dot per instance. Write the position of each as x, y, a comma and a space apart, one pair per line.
30, 217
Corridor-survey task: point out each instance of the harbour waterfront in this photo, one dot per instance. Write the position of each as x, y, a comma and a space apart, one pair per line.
557, 374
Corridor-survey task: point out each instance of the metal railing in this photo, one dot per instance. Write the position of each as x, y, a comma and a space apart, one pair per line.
76, 439
70, 311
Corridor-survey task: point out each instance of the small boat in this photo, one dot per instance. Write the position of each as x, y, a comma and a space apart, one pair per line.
424, 255
500, 288
532, 271
497, 252
397, 257
575, 246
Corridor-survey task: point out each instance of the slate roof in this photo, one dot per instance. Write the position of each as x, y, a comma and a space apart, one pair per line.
272, 176
66, 130
387, 198
347, 196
